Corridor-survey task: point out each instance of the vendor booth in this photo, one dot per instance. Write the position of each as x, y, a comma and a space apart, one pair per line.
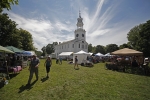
81, 55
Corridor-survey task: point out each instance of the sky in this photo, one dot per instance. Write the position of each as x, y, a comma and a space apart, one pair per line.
105, 21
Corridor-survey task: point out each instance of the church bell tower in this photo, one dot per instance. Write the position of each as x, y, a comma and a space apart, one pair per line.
80, 32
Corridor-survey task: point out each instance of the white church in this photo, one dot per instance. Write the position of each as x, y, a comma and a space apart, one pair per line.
77, 44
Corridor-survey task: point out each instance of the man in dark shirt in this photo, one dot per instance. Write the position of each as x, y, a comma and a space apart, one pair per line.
33, 68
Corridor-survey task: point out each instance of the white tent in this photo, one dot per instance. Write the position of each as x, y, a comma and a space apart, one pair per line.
64, 55
99, 54
108, 55
90, 53
81, 55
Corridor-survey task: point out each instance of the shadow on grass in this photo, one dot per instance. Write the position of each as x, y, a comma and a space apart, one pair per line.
44, 79
13, 75
26, 87
88, 66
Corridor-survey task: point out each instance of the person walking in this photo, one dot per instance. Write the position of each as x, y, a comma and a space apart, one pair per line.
76, 63
60, 60
48, 64
33, 67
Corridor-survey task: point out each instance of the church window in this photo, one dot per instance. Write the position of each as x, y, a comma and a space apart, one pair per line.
77, 35
82, 41
62, 47
82, 35
72, 45
79, 45
85, 46
82, 46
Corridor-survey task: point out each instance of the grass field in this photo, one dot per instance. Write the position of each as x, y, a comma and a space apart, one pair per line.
66, 83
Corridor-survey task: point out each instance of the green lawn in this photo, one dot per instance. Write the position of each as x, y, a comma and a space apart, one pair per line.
66, 83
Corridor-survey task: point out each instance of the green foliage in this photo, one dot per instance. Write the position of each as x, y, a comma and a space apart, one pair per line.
27, 41
38, 53
7, 30
124, 46
43, 51
90, 47
11, 36
144, 41
49, 48
7, 4
100, 48
139, 38
133, 36
111, 47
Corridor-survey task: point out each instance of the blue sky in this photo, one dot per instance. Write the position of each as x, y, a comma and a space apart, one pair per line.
105, 21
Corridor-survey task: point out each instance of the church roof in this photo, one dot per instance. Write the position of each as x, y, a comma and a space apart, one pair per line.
65, 42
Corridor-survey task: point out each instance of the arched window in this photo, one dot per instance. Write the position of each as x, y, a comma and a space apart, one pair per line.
79, 45
82, 35
77, 35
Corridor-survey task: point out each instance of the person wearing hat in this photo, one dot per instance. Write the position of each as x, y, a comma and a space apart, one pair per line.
48, 64
33, 67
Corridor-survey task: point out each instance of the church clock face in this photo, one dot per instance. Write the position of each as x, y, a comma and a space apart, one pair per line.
77, 35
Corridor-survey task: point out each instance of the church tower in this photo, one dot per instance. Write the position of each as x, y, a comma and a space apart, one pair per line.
80, 33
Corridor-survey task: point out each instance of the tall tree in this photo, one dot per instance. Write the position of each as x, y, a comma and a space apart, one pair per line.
133, 36
144, 41
49, 48
90, 47
38, 53
111, 48
124, 46
27, 40
44, 51
100, 48
15, 40
7, 29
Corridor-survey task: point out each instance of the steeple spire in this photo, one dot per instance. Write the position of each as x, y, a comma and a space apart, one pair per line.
79, 14
80, 23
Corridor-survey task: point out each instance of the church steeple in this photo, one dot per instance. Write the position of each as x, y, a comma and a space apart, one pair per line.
80, 33
79, 21
79, 14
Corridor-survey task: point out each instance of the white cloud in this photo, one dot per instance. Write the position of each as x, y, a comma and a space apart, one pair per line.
48, 27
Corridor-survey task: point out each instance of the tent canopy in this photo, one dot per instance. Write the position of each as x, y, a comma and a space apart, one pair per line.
81, 55
98, 54
126, 51
108, 54
28, 53
90, 53
14, 49
65, 53
82, 52
3, 49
